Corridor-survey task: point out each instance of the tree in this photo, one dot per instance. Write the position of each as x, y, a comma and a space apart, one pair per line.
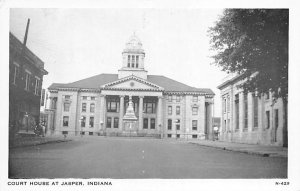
254, 44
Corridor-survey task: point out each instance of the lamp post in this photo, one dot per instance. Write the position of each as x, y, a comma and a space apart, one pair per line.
26, 117
176, 123
80, 121
101, 126
161, 131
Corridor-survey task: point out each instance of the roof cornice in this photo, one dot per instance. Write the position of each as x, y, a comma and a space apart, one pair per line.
105, 86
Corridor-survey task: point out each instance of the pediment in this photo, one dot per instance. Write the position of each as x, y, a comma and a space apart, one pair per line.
132, 83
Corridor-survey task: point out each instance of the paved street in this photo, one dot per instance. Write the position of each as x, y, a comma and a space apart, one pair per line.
100, 157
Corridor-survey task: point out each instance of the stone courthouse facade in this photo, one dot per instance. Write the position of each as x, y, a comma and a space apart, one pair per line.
249, 118
163, 107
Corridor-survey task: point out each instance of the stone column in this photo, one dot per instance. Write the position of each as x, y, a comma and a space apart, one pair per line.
159, 116
141, 103
102, 112
51, 103
121, 112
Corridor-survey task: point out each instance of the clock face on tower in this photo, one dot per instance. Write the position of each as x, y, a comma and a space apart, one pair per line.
131, 84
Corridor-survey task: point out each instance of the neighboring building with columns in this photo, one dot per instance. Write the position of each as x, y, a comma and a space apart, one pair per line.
249, 118
163, 107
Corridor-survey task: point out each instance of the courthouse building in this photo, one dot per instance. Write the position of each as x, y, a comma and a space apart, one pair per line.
250, 118
163, 107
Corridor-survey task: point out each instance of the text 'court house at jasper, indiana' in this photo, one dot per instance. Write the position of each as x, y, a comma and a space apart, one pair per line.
163, 107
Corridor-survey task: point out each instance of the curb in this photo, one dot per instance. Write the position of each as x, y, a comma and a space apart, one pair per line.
263, 154
41, 143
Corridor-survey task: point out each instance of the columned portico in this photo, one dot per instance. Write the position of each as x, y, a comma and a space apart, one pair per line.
141, 102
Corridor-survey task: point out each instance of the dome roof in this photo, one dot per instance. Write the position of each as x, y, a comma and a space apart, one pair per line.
134, 43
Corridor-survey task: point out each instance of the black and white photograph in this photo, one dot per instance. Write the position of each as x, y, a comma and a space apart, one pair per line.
100, 97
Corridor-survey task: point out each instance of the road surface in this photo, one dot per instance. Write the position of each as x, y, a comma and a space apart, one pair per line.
100, 157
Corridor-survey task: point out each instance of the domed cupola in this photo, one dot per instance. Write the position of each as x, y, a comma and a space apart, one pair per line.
133, 59
134, 44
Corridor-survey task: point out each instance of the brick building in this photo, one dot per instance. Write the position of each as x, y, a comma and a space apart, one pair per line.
250, 118
26, 72
163, 107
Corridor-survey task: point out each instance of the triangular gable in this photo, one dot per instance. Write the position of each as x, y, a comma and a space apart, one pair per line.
132, 82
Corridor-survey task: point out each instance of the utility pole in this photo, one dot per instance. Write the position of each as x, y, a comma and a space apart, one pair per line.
26, 33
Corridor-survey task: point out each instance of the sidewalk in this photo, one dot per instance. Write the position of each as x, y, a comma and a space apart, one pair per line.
36, 140
261, 150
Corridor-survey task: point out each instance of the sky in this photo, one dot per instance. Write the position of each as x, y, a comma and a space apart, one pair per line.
80, 43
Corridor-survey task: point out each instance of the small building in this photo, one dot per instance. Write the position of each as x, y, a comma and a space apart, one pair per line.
248, 117
26, 72
163, 107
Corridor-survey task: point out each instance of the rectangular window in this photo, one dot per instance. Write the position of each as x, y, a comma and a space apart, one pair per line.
128, 63
178, 124
37, 86
145, 126
149, 106
177, 98
177, 110
267, 119
83, 107
225, 105
194, 125
225, 126
67, 97
245, 111
169, 110
170, 98
43, 99
83, 121
137, 61
152, 123
116, 122
169, 124
16, 72
194, 136
108, 122
132, 61
65, 132
92, 107
93, 98
267, 96
195, 110
66, 106
84, 97
91, 133
228, 104
276, 118
195, 98
66, 121
255, 112
27, 80
91, 122
178, 136
113, 105
169, 135
237, 116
